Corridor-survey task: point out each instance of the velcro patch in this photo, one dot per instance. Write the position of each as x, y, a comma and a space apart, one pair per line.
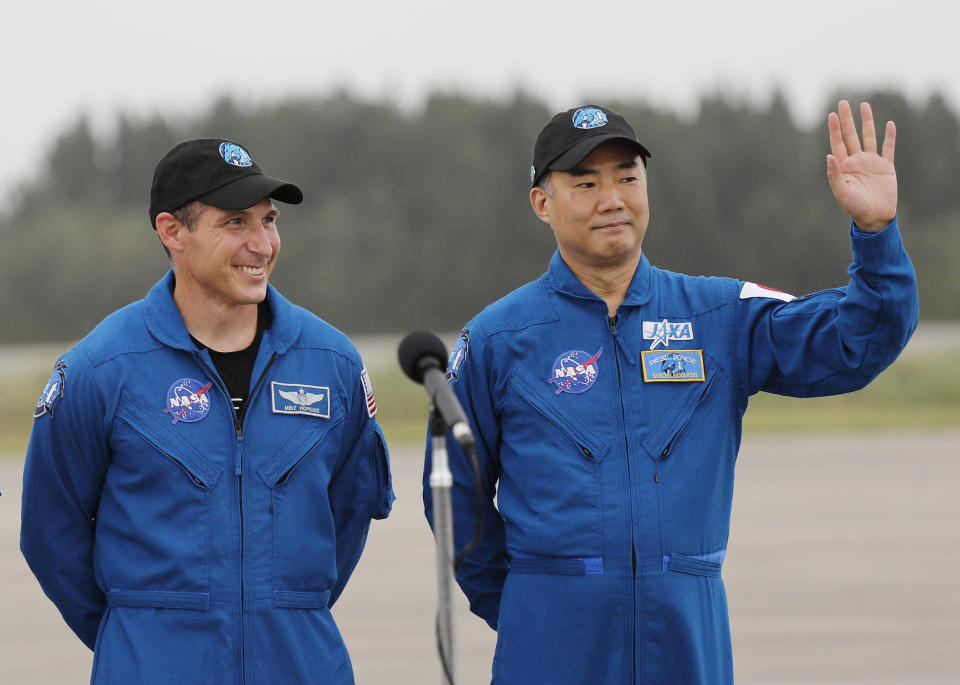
298, 398
675, 366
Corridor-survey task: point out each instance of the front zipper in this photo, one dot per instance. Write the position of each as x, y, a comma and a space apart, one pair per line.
238, 430
612, 322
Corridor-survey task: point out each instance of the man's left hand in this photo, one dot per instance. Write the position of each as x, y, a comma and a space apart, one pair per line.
864, 182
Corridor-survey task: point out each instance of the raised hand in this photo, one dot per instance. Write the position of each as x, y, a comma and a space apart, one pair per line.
864, 182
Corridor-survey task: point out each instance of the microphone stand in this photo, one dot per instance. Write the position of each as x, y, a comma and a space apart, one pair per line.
441, 482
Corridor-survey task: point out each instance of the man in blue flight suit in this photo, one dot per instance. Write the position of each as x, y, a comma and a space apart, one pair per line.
204, 465
612, 462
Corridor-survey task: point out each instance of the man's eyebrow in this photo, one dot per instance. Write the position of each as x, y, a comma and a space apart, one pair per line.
583, 171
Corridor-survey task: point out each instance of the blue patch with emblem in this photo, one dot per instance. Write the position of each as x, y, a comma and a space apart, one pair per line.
235, 155
575, 371
458, 355
52, 391
589, 117
673, 366
297, 398
188, 400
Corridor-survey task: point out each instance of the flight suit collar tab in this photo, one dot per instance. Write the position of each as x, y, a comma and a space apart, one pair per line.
164, 321
565, 281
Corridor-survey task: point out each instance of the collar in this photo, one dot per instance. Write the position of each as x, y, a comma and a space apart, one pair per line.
562, 279
165, 323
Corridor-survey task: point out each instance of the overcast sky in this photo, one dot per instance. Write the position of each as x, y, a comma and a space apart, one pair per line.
61, 59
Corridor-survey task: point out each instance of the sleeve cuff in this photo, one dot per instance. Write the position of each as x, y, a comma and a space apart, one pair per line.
880, 244
857, 232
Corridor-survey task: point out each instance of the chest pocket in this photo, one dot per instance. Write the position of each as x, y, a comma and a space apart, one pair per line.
156, 505
680, 410
303, 532
549, 485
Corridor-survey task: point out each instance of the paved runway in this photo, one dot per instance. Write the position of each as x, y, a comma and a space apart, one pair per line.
842, 569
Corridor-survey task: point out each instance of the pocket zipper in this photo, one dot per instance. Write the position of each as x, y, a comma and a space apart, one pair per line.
666, 450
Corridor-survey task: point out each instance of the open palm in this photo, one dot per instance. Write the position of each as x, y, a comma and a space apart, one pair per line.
863, 181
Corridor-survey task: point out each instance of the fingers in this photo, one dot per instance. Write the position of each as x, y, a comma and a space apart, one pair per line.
849, 128
844, 140
869, 132
889, 141
837, 147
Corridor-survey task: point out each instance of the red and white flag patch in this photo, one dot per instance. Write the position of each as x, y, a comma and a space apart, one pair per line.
368, 392
750, 290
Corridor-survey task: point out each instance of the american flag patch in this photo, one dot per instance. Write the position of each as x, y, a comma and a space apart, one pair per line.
368, 392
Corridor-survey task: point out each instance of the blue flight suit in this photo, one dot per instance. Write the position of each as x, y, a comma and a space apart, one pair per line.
610, 444
185, 546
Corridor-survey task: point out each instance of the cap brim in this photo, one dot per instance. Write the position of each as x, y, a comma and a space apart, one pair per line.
576, 154
250, 190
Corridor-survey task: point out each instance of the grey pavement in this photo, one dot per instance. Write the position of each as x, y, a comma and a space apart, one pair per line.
841, 570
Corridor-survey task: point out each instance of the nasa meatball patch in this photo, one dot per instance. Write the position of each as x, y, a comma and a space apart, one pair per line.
575, 371
299, 398
188, 400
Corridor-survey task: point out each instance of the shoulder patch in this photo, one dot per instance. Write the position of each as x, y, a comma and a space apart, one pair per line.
458, 355
751, 290
368, 392
52, 391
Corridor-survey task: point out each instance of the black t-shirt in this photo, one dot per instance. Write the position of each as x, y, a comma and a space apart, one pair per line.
235, 368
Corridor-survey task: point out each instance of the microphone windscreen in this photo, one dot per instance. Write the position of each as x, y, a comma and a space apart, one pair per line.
419, 346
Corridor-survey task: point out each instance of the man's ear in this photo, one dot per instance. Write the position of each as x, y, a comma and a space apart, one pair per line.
540, 202
170, 230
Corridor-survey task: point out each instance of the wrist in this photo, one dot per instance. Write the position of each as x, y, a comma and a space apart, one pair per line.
874, 226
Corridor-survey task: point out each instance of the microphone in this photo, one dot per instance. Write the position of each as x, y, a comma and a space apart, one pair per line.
423, 357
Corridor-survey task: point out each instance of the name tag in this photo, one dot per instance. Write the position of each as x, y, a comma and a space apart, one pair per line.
299, 398
674, 366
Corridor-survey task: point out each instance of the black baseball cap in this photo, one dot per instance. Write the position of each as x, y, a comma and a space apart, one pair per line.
572, 135
217, 172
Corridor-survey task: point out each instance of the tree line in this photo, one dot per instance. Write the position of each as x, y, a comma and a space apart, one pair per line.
420, 219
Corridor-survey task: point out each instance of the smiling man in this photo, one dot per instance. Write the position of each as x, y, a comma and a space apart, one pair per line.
204, 465
607, 399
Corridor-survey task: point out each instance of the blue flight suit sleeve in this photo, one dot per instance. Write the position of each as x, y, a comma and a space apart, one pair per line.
361, 489
484, 570
63, 477
837, 340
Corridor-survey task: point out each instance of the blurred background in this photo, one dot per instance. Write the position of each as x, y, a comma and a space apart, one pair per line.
410, 129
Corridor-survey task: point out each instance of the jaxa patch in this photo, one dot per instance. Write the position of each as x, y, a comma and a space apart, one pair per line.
52, 391
458, 355
674, 366
188, 401
297, 398
751, 290
575, 371
368, 393
662, 332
